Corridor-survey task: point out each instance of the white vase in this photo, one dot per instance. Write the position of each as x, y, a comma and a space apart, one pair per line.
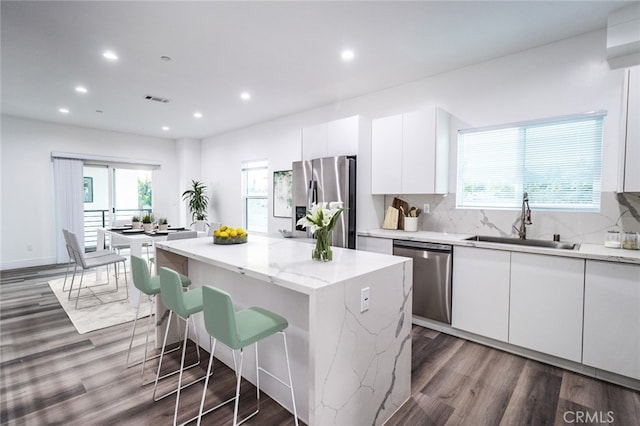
136, 225
148, 227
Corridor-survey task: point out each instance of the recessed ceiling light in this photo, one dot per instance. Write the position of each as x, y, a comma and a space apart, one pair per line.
245, 96
347, 55
63, 110
110, 55
197, 114
165, 128
81, 89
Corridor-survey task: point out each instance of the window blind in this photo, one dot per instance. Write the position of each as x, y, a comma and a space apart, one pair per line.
557, 161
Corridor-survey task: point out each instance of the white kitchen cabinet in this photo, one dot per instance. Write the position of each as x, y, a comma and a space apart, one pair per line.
480, 291
338, 137
410, 153
546, 304
376, 245
612, 317
629, 180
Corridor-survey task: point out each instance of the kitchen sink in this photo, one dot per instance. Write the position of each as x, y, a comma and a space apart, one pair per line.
533, 243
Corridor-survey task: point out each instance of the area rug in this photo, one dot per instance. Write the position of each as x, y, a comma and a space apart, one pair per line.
92, 315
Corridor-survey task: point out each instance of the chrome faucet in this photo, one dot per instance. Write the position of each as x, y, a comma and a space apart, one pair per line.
525, 217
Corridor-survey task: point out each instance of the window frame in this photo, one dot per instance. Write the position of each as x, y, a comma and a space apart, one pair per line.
516, 164
245, 167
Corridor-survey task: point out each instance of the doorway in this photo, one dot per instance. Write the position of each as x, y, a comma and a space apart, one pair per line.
113, 193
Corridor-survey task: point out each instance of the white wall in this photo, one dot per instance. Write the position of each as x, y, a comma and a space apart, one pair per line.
27, 181
567, 77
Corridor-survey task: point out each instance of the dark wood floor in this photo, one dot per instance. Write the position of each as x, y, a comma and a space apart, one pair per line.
49, 374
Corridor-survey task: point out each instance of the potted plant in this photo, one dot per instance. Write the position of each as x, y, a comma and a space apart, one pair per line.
198, 201
135, 222
147, 222
163, 224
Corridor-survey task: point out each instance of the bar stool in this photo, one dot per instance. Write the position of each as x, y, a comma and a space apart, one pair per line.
238, 330
184, 304
149, 286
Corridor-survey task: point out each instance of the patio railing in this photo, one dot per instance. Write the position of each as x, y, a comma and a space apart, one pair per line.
94, 219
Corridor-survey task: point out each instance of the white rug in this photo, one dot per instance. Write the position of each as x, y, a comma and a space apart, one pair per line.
91, 314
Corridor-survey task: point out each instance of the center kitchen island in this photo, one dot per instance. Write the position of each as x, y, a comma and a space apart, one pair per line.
350, 363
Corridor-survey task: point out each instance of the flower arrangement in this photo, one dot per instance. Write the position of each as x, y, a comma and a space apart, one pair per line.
321, 220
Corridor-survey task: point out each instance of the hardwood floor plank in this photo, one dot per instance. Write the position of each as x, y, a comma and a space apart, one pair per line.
51, 375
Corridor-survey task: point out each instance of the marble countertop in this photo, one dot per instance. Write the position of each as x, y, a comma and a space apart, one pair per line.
283, 261
586, 251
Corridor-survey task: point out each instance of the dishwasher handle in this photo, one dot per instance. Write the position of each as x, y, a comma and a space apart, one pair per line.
423, 245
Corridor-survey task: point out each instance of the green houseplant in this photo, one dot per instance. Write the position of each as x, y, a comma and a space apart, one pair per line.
135, 222
197, 200
163, 224
147, 222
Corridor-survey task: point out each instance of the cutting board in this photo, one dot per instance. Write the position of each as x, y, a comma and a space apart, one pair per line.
397, 204
391, 218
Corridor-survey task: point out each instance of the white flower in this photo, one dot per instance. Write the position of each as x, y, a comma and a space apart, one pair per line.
321, 216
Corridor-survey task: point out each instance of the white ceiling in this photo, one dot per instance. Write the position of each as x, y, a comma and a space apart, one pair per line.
287, 54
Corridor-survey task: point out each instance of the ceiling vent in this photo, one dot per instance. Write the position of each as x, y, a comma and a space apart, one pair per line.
623, 37
157, 99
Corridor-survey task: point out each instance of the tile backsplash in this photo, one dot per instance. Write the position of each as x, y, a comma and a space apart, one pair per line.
617, 210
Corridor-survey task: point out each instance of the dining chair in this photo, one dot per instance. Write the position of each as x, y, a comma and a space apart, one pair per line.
85, 262
89, 255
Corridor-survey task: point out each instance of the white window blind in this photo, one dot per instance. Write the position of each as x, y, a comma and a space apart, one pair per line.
557, 161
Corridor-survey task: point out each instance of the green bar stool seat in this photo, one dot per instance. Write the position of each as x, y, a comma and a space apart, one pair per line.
238, 330
149, 286
184, 304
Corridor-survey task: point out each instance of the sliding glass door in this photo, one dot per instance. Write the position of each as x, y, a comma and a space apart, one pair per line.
113, 194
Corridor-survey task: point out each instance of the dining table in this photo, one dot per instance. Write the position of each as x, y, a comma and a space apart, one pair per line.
137, 240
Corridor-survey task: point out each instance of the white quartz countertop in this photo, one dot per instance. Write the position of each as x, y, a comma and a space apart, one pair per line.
283, 261
586, 251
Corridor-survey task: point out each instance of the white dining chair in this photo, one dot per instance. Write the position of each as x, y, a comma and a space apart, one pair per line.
85, 262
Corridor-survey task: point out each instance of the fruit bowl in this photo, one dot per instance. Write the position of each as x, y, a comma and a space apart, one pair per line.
230, 240
227, 236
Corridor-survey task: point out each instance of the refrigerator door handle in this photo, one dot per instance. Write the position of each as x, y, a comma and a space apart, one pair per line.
312, 193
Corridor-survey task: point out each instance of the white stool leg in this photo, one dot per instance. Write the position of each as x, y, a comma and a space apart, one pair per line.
164, 343
293, 398
184, 351
238, 379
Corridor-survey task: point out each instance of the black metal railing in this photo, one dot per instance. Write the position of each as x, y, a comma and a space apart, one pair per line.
94, 219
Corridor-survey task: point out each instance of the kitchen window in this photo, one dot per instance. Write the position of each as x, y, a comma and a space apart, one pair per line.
255, 193
557, 161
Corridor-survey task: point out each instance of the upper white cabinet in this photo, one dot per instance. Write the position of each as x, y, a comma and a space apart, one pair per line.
629, 180
612, 317
480, 291
338, 137
410, 153
546, 304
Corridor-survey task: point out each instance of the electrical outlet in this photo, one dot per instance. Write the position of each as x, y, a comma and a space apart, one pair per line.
364, 299
426, 208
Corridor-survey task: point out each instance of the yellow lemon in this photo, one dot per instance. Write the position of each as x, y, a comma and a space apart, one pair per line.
222, 228
233, 233
216, 233
240, 231
224, 234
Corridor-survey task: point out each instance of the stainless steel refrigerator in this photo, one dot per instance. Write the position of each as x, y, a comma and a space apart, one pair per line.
327, 179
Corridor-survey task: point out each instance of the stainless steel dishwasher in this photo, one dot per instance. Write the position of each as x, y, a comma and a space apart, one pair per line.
431, 277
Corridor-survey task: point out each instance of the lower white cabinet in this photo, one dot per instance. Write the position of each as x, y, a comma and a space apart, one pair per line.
480, 291
376, 245
546, 304
612, 317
